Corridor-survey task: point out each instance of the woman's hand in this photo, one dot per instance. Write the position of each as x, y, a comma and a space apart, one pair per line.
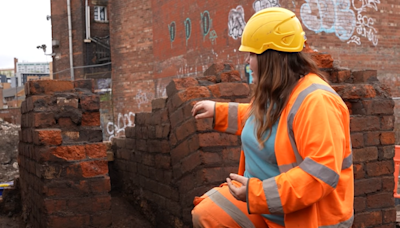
203, 109
238, 192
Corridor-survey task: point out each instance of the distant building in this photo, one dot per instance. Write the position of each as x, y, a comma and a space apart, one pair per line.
3, 78
7, 72
31, 70
13, 97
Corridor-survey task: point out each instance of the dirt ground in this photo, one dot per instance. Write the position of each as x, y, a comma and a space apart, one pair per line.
123, 216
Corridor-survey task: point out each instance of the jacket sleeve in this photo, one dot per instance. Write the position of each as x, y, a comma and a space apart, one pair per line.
321, 130
230, 117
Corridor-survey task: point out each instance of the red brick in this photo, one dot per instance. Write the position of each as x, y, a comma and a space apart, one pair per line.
204, 124
371, 138
231, 76
379, 168
387, 123
65, 122
191, 162
387, 138
94, 168
389, 215
367, 219
364, 123
97, 150
186, 129
322, 60
52, 206
365, 76
217, 139
357, 140
43, 120
159, 103
351, 91
90, 102
162, 161
365, 154
178, 153
211, 158
359, 171
213, 175
231, 154
91, 119
178, 84
341, 75
388, 152
359, 204
47, 137
380, 200
47, 87
378, 106
366, 186
70, 153
189, 94
229, 89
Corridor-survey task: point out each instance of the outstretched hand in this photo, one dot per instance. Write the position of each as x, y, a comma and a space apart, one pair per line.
238, 192
203, 109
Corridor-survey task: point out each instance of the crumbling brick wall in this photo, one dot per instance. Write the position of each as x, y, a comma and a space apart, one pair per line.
169, 157
62, 160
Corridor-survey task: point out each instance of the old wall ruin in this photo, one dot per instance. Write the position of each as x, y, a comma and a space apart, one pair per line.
168, 158
62, 160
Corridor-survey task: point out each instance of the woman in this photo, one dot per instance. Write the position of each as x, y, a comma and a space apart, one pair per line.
296, 165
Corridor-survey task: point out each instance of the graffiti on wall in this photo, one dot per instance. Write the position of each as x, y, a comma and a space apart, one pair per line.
188, 29
172, 31
123, 121
206, 25
263, 4
336, 16
236, 22
328, 16
364, 24
143, 98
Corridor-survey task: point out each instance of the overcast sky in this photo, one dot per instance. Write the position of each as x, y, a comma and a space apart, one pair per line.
23, 27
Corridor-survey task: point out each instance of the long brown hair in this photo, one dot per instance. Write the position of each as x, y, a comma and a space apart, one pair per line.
278, 73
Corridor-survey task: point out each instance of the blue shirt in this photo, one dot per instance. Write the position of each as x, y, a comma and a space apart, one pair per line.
260, 163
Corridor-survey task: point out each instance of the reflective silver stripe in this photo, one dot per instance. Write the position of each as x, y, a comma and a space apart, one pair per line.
235, 213
299, 100
345, 224
233, 109
319, 171
285, 168
272, 195
347, 162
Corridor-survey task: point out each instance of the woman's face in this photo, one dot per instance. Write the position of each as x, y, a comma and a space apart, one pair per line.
252, 61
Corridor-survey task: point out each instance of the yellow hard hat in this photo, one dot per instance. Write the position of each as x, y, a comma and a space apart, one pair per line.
273, 28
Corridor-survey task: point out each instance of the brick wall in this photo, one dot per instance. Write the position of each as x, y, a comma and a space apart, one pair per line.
169, 157
62, 160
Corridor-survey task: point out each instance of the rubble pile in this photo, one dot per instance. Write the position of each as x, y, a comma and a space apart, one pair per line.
8, 151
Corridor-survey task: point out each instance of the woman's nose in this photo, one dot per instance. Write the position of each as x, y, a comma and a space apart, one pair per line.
247, 60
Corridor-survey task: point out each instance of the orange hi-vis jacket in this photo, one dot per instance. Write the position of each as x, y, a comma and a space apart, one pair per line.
313, 152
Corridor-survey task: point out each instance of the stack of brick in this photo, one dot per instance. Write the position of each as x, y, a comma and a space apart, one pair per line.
373, 138
200, 158
62, 160
169, 157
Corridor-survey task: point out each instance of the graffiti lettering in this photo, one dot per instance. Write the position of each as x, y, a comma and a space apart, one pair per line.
172, 31
236, 22
364, 24
263, 4
143, 98
188, 29
213, 36
327, 16
123, 121
206, 23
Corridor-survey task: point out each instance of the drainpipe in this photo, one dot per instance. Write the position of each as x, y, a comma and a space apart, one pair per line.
71, 58
87, 16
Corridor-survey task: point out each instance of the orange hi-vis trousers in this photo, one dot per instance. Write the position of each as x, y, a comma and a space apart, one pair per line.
218, 208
